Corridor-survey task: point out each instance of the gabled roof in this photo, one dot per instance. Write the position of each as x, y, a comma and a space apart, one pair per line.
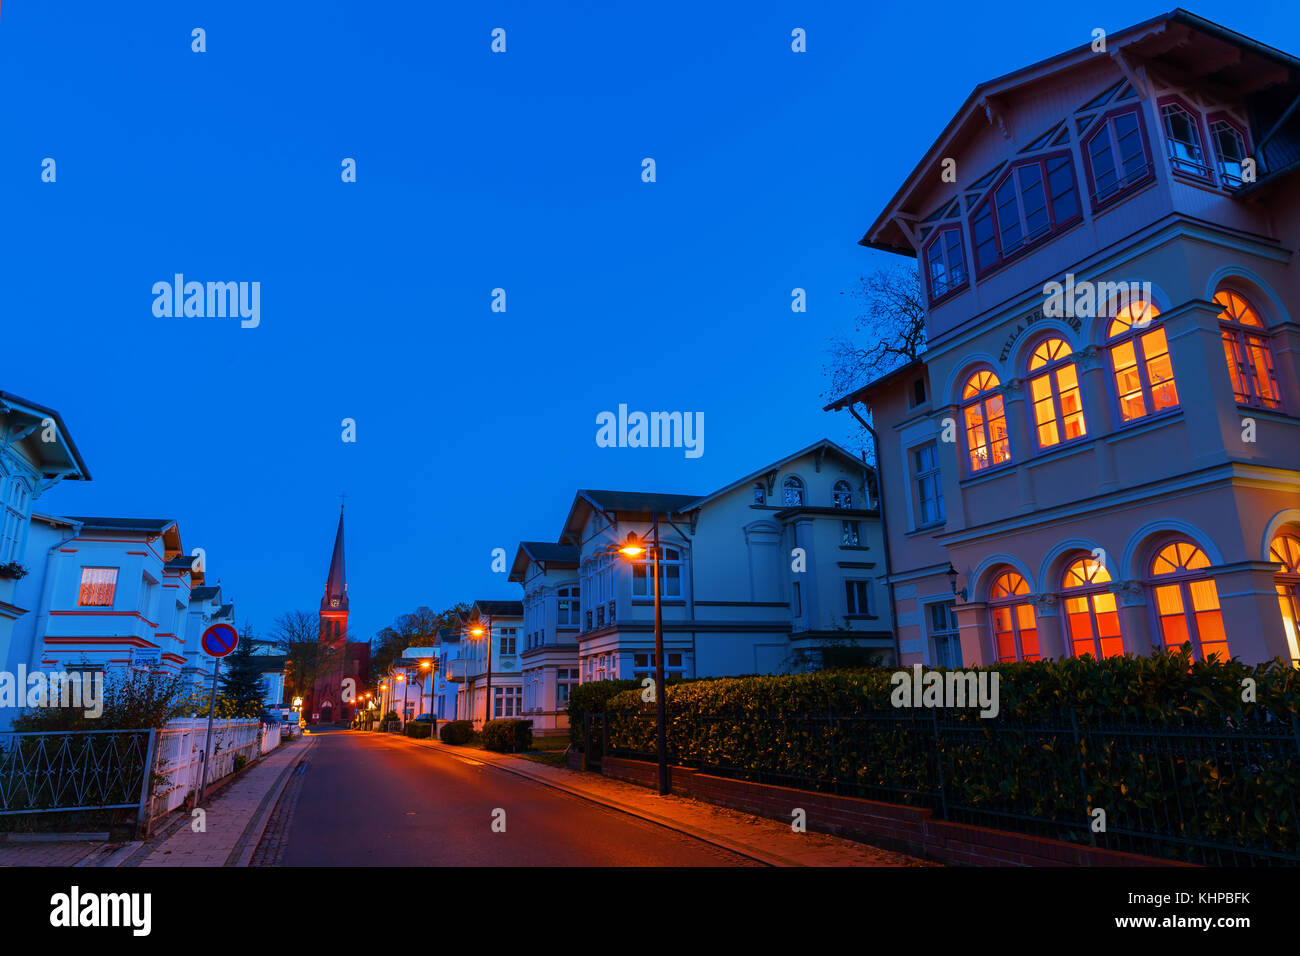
205, 594
825, 446
1183, 43
637, 505
861, 394
75, 468
140, 525
500, 608
545, 553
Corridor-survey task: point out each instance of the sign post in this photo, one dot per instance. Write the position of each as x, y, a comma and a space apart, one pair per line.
218, 641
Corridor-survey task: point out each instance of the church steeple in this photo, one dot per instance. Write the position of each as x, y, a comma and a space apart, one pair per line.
336, 585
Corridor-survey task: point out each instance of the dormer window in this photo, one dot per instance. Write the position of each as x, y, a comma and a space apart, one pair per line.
1034, 199
1183, 134
945, 262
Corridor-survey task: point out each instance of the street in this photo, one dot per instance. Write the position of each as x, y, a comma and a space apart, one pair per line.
382, 800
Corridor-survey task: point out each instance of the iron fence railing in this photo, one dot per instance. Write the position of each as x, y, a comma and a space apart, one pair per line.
85, 770
1210, 792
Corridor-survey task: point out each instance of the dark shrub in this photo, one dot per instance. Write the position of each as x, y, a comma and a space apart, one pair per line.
508, 736
419, 731
592, 698
456, 732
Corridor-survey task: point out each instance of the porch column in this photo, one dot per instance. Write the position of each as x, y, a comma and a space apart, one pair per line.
1204, 388
1047, 610
976, 644
1094, 374
947, 422
1252, 617
1017, 412
1134, 618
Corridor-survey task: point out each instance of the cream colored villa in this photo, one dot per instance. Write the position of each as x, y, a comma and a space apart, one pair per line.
1099, 450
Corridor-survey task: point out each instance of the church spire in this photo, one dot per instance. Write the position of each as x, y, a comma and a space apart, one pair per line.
336, 585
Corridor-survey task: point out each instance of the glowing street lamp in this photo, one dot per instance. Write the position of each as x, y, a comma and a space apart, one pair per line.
476, 629
633, 548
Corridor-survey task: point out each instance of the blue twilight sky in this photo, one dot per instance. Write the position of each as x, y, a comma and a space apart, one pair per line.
475, 171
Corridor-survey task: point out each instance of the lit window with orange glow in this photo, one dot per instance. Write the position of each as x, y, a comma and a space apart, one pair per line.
1015, 628
985, 420
1090, 610
1054, 390
1187, 601
1285, 550
1246, 348
1139, 356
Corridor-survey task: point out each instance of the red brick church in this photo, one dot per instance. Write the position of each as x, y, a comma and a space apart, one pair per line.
344, 666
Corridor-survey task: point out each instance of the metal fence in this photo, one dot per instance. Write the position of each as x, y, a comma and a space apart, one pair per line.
73, 771
1214, 793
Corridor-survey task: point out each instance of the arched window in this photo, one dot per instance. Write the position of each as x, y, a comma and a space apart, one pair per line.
1139, 356
1285, 550
843, 494
986, 421
792, 491
1054, 388
1245, 346
1187, 600
1090, 610
1015, 628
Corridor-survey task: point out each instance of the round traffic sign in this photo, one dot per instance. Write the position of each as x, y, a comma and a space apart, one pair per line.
219, 640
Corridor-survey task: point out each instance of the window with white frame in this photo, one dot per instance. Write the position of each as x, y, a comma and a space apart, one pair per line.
509, 641
565, 679
644, 664
17, 503
945, 638
568, 606
792, 493
507, 701
670, 574
98, 586
857, 595
928, 485
850, 536
760, 493
1230, 151
842, 494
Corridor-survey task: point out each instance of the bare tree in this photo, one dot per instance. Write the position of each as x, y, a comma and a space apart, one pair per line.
888, 332
297, 635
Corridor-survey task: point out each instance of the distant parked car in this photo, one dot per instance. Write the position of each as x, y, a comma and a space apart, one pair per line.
425, 719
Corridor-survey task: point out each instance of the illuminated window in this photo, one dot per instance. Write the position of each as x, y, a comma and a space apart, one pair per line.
97, 587
1187, 601
1090, 610
1246, 348
1139, 355
986, 421
1054, 389
1285, 550
1015, 628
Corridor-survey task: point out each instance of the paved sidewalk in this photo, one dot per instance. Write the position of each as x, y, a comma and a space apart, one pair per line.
235, 816
47, 854
769, 841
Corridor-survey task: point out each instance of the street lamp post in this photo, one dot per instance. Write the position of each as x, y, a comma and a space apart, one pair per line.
632, 548
477, 631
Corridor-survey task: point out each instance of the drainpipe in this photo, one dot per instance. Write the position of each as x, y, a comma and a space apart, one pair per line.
884, 526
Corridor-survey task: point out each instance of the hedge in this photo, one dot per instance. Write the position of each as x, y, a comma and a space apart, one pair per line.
591, 698
456, 732
420, 730
508, 735
1157, 742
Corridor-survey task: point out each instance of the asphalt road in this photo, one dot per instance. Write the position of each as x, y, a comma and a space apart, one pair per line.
378, 800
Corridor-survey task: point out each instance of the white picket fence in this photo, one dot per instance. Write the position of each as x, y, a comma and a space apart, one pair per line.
178, 761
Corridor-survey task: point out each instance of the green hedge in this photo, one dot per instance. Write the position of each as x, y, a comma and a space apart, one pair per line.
508, 735
456, 732
1069, 737
591, 698
420, 731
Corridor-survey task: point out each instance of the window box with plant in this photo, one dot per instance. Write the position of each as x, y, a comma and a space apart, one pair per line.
13, 570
